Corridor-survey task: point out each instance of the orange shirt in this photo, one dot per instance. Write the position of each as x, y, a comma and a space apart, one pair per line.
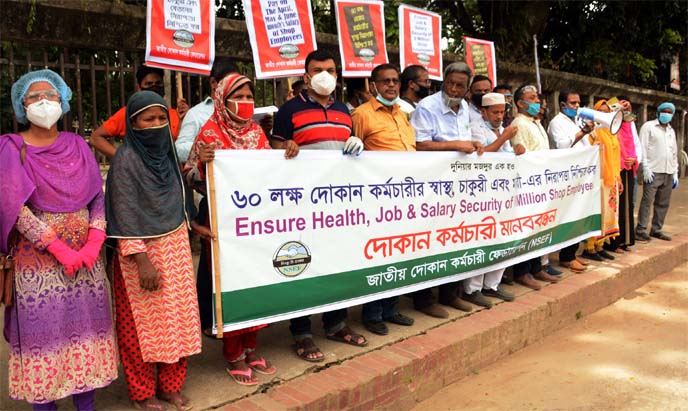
116, 125
382, 130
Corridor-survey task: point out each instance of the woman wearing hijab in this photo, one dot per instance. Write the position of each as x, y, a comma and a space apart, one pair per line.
52, 220
610, 188
155, 300
230, 127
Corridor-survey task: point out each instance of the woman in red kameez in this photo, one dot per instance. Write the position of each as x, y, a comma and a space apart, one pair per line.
230, 127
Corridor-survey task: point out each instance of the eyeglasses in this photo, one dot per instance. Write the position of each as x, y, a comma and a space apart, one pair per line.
51, 94
392, 81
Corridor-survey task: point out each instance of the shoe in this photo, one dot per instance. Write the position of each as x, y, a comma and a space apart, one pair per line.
543, 276
642, 236
400, 319
592, 256
500, 293
582, 262
458, 304
574, 266
477, 298
434, 310
605, 254
660, 235
551, 270
507, 280
527, 280
376, 327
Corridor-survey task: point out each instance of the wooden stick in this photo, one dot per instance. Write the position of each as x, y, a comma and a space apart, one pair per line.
180, 88
367, 85
216, 249
602, 199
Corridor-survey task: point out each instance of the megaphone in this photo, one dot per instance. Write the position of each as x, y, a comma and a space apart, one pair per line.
612, 121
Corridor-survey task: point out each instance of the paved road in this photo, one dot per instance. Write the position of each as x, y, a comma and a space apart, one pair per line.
632, 355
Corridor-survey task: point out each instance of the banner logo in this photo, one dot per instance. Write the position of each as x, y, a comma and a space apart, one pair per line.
291, 259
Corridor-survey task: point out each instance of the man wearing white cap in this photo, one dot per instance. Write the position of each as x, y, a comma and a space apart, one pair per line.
490, 133
660, 172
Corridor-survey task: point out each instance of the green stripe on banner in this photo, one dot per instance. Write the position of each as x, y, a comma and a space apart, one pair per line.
280, 298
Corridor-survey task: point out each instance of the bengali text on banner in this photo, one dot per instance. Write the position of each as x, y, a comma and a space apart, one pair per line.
325, 231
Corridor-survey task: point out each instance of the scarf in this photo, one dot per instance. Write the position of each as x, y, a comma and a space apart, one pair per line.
61, 177
144, 194
627, 145
224, 129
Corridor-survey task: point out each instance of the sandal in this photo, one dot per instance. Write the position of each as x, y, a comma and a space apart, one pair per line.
305, 347
177, 399
151, 404
347, 336
243, 373
261, 366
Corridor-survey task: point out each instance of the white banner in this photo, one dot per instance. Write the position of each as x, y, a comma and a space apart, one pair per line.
324, 230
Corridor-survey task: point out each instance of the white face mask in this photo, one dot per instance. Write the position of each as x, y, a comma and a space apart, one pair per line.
323, 83
44, 113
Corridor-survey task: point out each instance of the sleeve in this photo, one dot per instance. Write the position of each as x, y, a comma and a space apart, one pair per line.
187, 134
645, 138
560, 135
96, 211
424, 124
520, 136
639, 153
115, 125
359, 124
174, 123
131, 246
477, 135
283, 128
35, 230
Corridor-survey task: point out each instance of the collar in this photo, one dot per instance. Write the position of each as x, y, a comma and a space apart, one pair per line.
446, 109
379, 106
306, 97
565, 116
208, 100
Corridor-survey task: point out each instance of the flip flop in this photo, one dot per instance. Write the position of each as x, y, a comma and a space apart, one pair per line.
244, 373
261, 367
340, 336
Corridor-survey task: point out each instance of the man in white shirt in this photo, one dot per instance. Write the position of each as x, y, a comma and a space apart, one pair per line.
490, 133
415, 86
565, 133
197, 115
533, 137
660, 172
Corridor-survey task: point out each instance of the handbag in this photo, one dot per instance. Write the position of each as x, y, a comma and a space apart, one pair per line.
7, 261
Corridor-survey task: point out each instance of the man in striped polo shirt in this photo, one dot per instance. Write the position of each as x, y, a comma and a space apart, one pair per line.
316, 121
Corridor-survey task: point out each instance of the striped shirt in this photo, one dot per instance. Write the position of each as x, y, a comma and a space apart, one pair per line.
305, 121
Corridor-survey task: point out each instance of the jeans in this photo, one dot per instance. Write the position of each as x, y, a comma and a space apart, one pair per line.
380, 309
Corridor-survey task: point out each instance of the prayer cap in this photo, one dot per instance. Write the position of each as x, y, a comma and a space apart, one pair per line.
492, 99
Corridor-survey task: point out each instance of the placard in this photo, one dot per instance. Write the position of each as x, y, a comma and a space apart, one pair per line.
361, 30
180, 35
281, 34
419, 40
480, 56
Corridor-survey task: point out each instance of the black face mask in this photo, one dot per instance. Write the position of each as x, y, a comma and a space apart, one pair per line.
160, 90
477, 99
422, 91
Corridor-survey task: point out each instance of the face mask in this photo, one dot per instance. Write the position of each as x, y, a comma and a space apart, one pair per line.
385, 102
569, 112
422, 91
451, 101
533, 109
665, 118
244, 109
490, 126
323, 83
160, 90
477, 99
44, 113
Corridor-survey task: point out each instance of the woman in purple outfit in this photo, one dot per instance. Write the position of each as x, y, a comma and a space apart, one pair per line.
52, 220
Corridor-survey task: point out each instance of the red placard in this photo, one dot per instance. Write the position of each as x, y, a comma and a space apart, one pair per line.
281, 34
419, 40
180, 35
480, 56
361, 30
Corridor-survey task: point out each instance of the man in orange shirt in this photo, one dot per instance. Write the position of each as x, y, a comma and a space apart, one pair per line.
147, 78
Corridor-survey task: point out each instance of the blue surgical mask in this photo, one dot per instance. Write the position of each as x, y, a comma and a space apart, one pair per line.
569, 112
665, 118
533, 108
385, 102
490, 126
